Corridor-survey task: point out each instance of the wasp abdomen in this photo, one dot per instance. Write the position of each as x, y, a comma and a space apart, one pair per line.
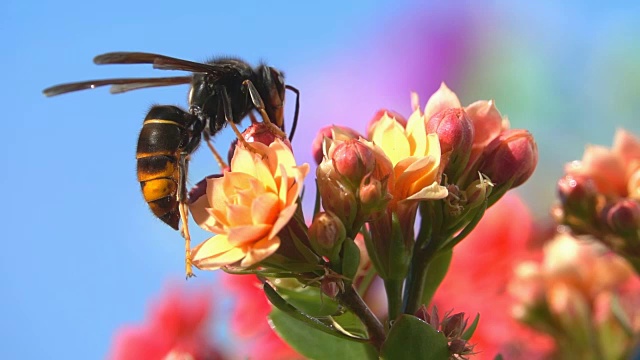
159, 145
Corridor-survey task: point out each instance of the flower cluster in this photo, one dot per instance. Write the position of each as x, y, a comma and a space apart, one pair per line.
581, 293
600, 196
435, 172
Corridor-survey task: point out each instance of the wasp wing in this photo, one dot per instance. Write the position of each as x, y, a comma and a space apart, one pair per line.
162, 62
119, 85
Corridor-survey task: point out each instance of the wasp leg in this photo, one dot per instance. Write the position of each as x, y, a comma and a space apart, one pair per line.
294, 125
259, 104
215, 153
226, 106
184, 210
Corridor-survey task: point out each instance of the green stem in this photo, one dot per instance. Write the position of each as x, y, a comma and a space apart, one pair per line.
352, 301
416, 279
393, 289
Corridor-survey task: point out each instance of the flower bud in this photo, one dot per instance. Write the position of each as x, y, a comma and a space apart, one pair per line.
336, 198
331, 132
353, 160
453, 326
578, 197
460, 347
258, 132
423, 314
623, 217
510, 159
373, 194
477, 192
456, 134
326, 235
330, 287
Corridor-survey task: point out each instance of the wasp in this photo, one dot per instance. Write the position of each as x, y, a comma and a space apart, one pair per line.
222, 91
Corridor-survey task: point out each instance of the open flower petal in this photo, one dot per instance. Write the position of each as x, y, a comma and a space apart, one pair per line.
216, 252
249, 205
432, 192
442, 99
261, 250
239, 235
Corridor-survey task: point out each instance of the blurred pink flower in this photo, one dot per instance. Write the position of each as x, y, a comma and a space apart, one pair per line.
249, 321
176, 328
476, 282
614, 171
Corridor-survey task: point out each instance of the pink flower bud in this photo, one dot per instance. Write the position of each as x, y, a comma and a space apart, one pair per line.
456, 134
454, 130
353, 160
623, 217
331, 132
511, 158
263, 133
578, 197
257, 132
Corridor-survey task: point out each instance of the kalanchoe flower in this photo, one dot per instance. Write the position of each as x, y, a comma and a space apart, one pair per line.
177, 327
353, 160
488, 123
333, 132
610, 169
381, 114
248, 206
326, 235
455, 133
572, 289
623, 219
452, 326
510, 159
415, 157
605, 201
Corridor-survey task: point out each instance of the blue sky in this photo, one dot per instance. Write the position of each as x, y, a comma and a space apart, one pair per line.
81, 253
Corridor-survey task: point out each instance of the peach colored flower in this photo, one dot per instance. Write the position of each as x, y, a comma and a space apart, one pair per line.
587, 266
615, 170
248, 206
415, 157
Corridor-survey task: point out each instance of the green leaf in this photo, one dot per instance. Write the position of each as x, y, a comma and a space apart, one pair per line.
310, 301
351, 323
471, 329
316, 344
498, 357
435, 274
281, 304
411, 338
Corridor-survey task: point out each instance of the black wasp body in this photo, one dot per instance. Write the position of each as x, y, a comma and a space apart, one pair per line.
222, 91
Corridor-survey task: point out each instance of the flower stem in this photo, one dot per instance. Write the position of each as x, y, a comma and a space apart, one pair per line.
354, 302
393, 288
415, 282
418, 269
